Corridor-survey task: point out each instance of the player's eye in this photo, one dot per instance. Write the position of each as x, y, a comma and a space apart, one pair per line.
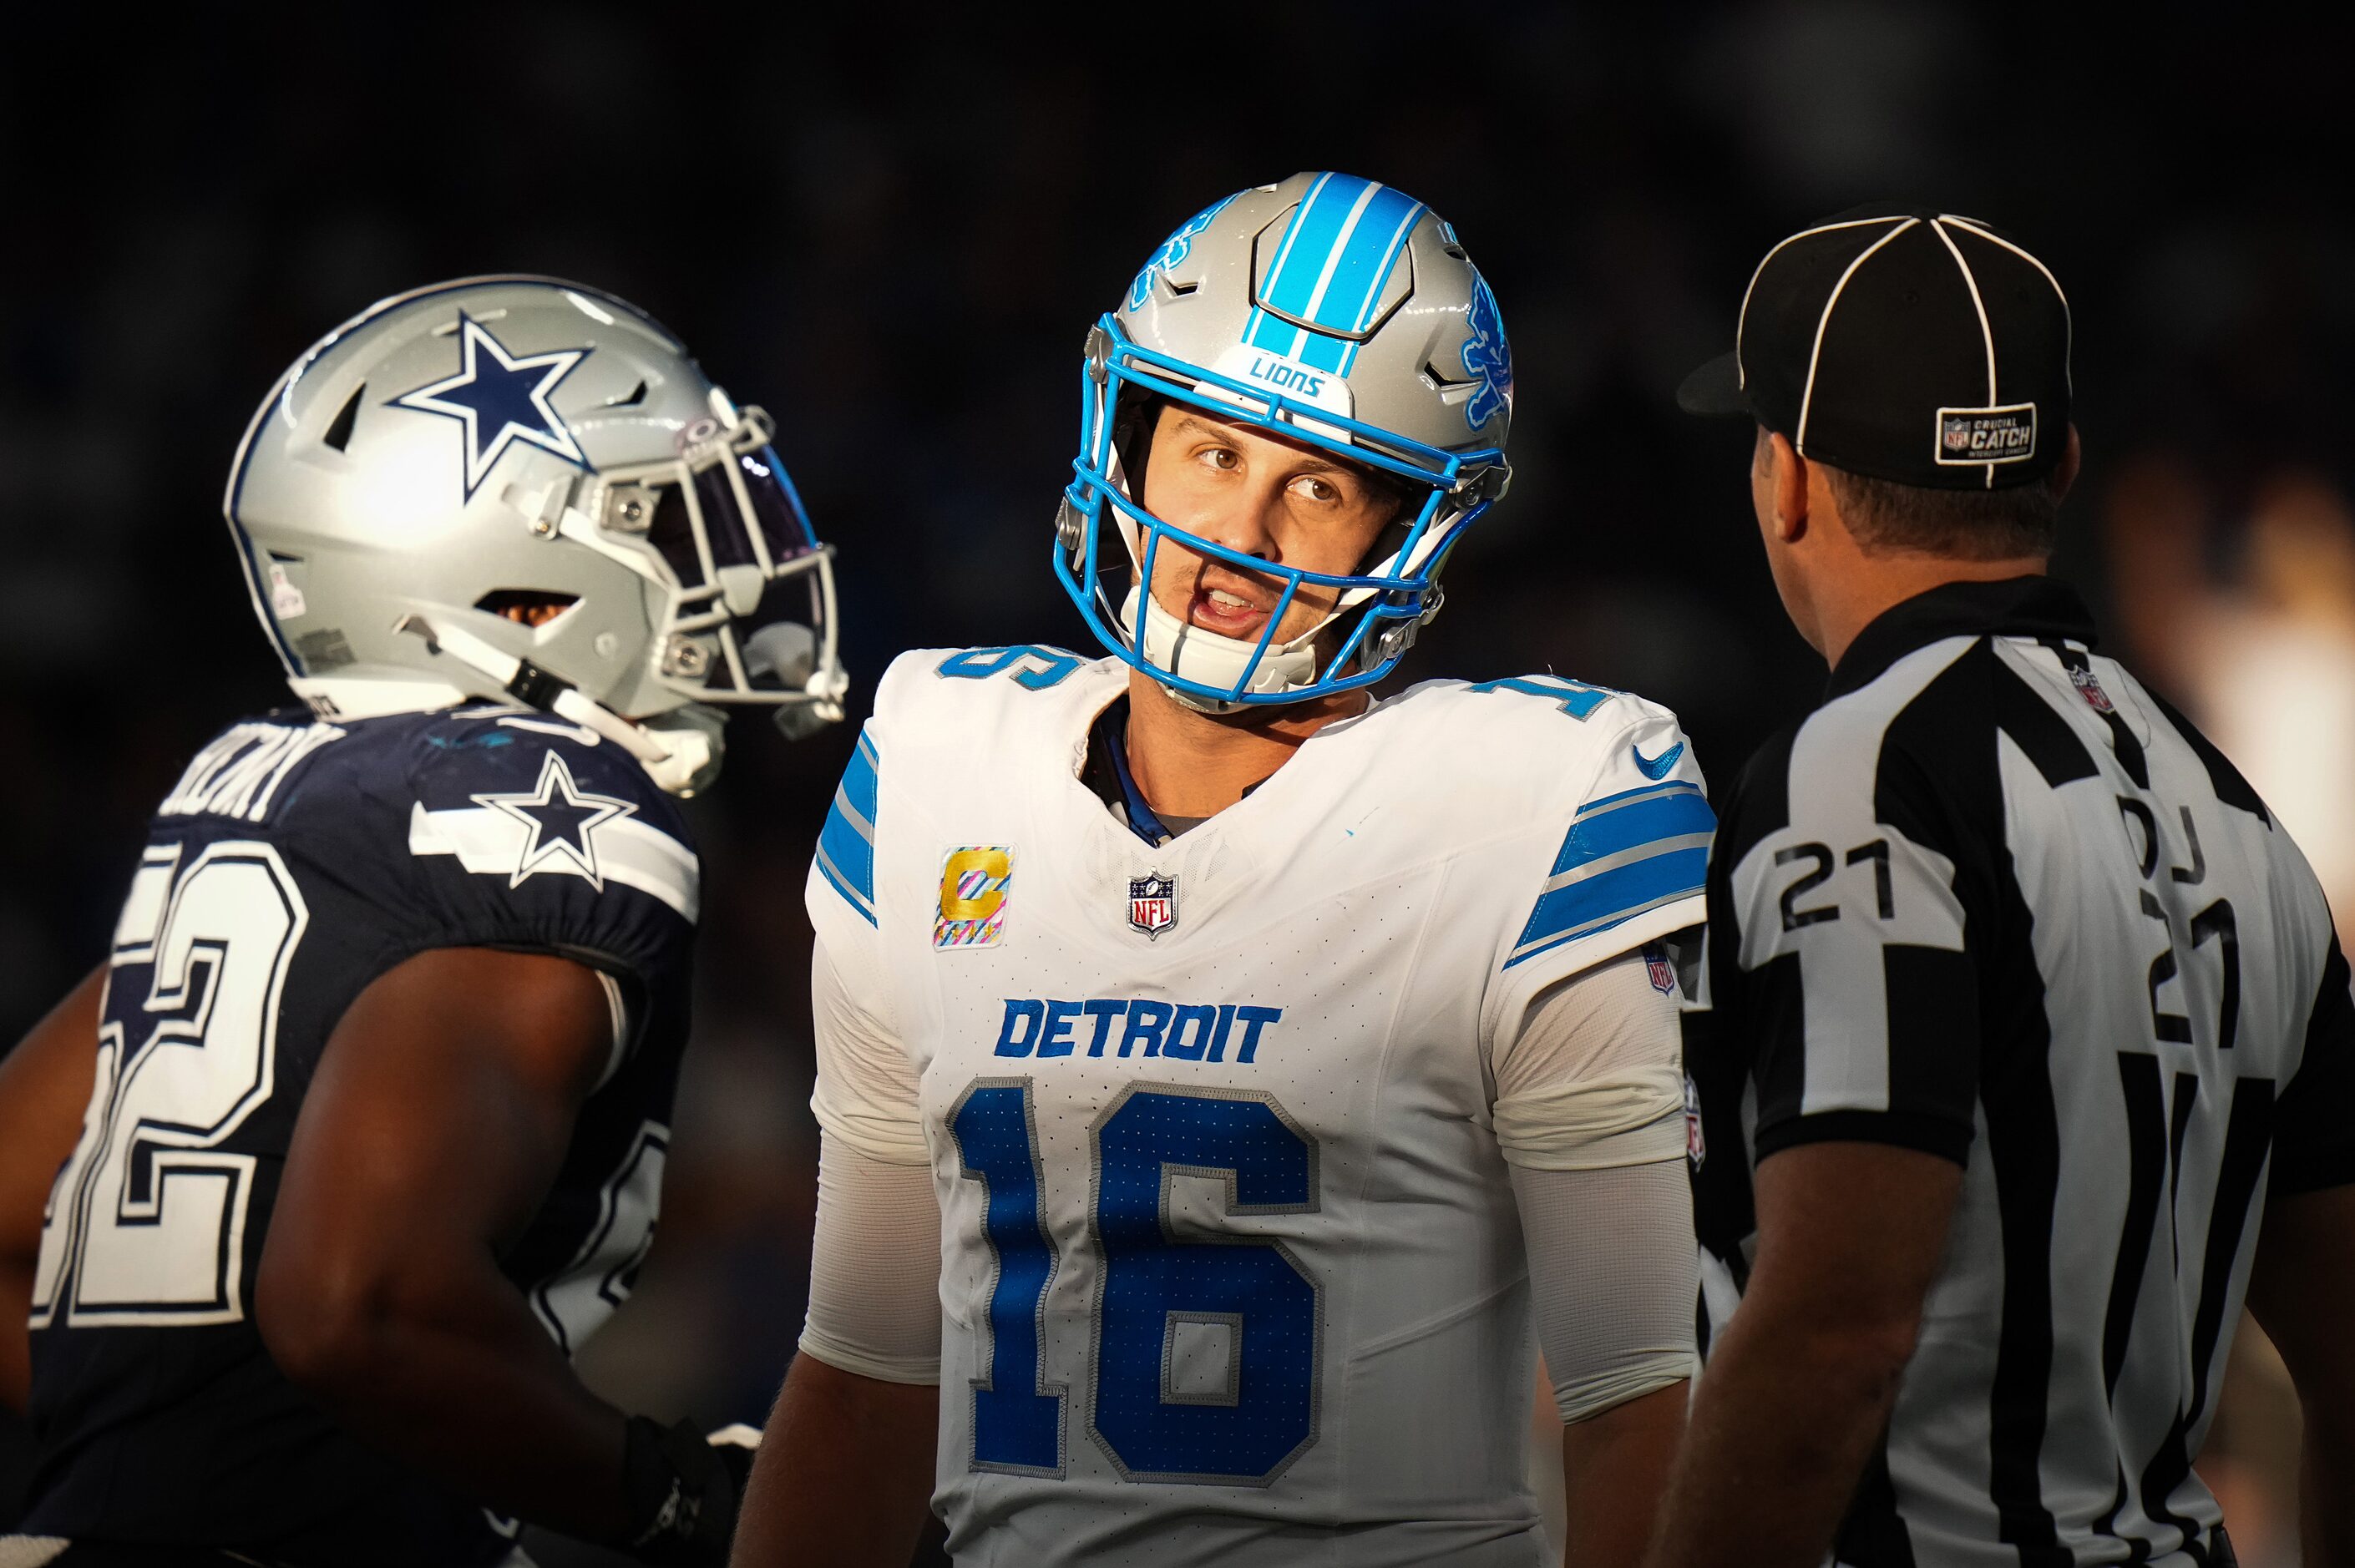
1226, 460
1323, 492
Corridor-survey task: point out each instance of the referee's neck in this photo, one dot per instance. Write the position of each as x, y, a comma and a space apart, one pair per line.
1861, 590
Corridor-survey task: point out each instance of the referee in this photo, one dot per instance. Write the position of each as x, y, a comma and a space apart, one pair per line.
2026, 1052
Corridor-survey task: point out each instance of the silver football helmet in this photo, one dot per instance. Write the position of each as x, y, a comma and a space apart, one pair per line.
519, 488
1326, 310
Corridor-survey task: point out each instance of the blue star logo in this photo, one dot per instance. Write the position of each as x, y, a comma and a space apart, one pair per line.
501, 399
563, 820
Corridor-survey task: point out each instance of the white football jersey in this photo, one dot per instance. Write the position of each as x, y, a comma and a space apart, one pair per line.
1232, 1270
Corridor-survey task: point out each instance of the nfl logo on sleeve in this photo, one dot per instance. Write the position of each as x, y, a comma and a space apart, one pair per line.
1152, 904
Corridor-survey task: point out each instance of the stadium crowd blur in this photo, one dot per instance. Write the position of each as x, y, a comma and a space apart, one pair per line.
897, 252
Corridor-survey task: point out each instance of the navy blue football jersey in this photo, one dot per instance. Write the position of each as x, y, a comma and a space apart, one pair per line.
294, 863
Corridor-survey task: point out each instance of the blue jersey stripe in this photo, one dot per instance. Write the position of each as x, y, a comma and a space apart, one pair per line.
849, 895
1610, 895
858, 778
846, 846
1580, 933
1604, 801
1666, 816
853, 857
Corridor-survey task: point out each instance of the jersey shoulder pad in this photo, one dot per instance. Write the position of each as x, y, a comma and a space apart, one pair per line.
959, 699
1545, 744
512, 812
252, 772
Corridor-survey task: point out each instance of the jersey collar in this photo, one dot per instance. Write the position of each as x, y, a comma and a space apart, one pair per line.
2012, 606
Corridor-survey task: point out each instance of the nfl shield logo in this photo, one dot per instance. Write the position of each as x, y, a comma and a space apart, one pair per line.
1152, 904
1658, 970
2090, 688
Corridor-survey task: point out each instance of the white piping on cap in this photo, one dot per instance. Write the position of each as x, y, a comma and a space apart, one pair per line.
1970, 281
1807, 399
1741, 376
2068, 317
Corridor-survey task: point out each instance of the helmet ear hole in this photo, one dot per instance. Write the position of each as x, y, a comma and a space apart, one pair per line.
1132, 436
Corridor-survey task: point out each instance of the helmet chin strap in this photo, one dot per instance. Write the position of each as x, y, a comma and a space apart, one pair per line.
680, 761
1212, 660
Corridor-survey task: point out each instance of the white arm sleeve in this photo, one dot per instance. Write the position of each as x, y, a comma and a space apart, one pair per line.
875, 1268
1595, 1076
875, 1263
1614, 1277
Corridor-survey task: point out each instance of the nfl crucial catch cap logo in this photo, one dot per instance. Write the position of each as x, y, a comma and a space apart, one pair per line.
1904, 343
1967, 436
1152, 904
976, 884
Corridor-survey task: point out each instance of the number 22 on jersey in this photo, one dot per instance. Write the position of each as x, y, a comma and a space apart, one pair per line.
1205, 1352
146, 1222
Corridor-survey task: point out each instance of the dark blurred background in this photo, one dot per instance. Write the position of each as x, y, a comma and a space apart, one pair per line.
893, 230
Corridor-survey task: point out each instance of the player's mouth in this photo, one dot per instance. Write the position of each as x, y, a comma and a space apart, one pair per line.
1220, 608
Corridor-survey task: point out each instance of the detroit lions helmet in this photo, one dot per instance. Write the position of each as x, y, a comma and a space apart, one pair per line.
1330, 311
522, 444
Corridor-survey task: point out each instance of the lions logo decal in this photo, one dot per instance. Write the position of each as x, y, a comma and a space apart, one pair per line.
1173, 251
1488, 357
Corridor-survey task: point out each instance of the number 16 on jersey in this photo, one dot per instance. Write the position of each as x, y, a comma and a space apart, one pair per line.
1205, 1352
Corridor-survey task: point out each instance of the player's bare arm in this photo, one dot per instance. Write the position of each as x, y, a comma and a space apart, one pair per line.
846, 1466
1613, 1467
434, 1128
1849, 1237
44, 1085
2298, 1290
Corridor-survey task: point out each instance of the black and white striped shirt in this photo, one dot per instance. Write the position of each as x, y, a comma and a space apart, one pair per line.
1995, 901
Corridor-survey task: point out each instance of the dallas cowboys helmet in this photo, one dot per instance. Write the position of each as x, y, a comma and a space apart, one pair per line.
1326, 310
520, 443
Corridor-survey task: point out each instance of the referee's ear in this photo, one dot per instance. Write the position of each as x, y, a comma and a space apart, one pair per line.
1778, 487
2073, 457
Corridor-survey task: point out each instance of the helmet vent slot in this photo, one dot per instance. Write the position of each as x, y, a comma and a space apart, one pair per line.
1442, 383
339, 429
638, 395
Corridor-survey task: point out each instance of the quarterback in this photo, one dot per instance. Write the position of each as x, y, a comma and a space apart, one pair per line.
310, 1190
1230, 1079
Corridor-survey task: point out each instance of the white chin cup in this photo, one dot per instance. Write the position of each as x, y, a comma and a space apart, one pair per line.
694, 740
1210, 660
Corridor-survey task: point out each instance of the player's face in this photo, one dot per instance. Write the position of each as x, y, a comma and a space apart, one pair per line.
1263, 496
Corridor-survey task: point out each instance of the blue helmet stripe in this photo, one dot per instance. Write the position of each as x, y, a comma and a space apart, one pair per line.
1349, 294
1338, 251
1322, 353
1309, 240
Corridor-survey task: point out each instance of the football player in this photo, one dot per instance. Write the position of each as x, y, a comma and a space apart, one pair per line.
1222, 1070
379, 1071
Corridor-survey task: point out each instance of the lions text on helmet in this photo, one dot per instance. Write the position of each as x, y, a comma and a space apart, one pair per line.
1271, 328
522, 489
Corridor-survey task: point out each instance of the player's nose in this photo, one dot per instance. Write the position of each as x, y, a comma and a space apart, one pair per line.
1242, 520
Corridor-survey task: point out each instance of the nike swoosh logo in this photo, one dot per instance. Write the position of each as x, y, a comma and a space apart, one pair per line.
1657, 767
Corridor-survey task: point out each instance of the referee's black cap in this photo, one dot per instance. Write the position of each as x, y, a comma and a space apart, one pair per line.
1904, 343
